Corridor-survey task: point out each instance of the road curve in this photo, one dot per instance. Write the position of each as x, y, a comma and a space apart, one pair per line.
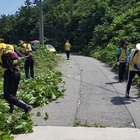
93, 97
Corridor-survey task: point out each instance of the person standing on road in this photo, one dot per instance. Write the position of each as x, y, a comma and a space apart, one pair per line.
11, 75
67, 47
134, 67
26, 50
122, 54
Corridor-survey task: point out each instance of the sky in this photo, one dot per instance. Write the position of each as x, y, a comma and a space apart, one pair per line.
10, 6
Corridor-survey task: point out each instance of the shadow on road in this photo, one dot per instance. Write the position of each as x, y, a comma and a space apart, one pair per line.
111, 83
123, 100
119, 101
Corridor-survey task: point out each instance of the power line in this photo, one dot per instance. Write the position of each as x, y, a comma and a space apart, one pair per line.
18, 6
6, 6
10, 3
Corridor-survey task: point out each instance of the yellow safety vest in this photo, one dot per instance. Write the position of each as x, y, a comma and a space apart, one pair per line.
122, 55
134, 61
4, 49
25, 47
67, 46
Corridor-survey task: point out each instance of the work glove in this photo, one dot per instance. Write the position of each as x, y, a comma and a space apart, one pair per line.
136, 67
118, 63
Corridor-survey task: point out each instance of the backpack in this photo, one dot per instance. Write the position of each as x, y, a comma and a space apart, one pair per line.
131, 55
9, 60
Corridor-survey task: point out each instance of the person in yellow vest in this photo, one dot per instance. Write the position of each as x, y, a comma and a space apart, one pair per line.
134, 67
26, 50
11, 75
122, 54
2, 46
67, 47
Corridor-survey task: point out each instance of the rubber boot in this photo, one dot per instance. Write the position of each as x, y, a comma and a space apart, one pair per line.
27, 108
11, 108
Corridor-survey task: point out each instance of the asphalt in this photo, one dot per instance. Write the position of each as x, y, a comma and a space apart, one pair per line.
119, 116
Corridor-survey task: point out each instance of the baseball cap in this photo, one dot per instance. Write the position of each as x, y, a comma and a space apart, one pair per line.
126, 42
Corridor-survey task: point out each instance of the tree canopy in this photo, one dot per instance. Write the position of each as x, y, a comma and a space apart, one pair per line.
89, 25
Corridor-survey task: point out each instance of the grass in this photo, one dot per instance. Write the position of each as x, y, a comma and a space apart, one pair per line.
86, 124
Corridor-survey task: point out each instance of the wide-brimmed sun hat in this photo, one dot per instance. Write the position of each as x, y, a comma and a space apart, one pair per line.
20, 42
138, 46
1, 40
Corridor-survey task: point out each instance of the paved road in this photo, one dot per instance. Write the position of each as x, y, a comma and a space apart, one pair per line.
93, 97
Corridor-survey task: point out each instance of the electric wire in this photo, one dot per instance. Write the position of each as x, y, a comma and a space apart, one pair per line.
10, 4
18, 6
6, 6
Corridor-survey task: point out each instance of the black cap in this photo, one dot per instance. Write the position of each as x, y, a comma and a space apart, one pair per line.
126, 42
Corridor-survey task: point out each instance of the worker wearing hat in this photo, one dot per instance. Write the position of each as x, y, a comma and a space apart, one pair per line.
67, 48
134, 67
2, 46
26, 50
122, 54
11, 79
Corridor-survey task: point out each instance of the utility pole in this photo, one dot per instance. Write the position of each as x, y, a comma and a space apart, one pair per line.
41, 32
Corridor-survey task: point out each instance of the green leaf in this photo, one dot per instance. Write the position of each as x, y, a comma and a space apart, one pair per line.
46, 116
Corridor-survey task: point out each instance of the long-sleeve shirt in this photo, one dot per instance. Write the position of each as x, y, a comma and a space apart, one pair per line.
4, 49
26, 50
67, 46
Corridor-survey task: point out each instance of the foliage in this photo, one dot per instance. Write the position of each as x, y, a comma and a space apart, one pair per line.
38, 92
94, 28
85, 124
82, 22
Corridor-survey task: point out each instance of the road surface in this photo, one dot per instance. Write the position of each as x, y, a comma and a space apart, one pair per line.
93, 97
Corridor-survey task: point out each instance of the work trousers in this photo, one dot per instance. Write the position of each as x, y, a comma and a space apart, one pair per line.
29, 68
131, 75
67, 54
10, 85
122, 69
